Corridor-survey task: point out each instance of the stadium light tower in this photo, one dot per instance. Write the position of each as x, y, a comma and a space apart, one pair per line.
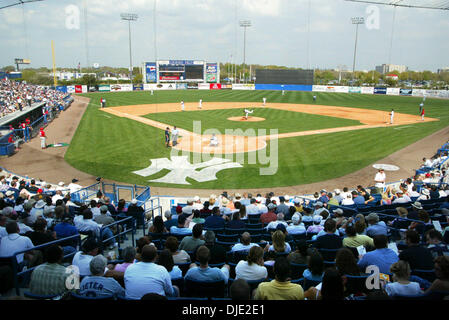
129, 17
357, 21
245, 24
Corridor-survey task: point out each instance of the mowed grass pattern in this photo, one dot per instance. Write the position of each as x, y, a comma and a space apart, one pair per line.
280, 120
113, 147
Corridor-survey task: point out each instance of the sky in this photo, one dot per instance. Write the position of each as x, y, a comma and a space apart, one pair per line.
293, 33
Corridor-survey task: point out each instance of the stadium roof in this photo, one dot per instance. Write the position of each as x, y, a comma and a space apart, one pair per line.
424, 4
11, 3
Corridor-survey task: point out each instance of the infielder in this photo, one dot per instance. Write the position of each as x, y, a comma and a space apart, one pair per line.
174, 136
391, 116
264, 101
43, 138
421, 106
182, 105
422, 114
200, 105
247, 112
283, 92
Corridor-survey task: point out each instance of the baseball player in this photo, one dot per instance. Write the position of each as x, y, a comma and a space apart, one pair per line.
167, 137
283, 91
247, 112
182, 105
151, 91
264, 101
422, 114
391, 116
314, 98
174, 136
200, 105
43, 138
213, 141
421, 106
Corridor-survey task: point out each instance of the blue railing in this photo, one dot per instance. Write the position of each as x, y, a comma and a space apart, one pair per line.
125, 222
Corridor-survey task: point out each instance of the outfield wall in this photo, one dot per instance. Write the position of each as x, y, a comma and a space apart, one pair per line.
277, 87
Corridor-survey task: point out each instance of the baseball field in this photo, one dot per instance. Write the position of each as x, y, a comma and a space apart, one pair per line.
296, 140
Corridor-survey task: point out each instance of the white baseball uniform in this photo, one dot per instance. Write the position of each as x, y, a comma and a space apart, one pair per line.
264, 101
391, 117
182, 105
200, 104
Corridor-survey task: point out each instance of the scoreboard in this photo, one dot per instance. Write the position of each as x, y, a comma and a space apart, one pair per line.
181, 71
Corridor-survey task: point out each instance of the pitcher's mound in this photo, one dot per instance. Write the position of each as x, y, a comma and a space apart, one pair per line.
250, 119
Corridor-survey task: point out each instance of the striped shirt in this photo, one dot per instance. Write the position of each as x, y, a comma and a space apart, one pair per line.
49, 278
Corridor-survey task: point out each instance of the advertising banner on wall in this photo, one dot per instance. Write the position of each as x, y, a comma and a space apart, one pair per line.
166, 86
215, 86
204, 86
243, 86
405, 92
137, 87
122, 87
150, 72
78, 89
104, 88
62, 88
212, 72
341, 89
286, 87
181, 86
355, 90
418, 92
149, 86
380, 90
227, 86
393, 91
367, 90
319, 88
70, 89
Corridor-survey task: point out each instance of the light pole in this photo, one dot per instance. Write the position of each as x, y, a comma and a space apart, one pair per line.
129, 17
245, 24
357, 21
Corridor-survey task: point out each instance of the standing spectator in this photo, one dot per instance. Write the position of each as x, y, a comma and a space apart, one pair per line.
402, 285
147, 277
280, 288
379, 179
253, 268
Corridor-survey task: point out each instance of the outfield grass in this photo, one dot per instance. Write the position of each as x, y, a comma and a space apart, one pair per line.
112, 147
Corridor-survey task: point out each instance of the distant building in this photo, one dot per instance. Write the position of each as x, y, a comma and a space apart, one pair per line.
440, 71
386, 68
62, 75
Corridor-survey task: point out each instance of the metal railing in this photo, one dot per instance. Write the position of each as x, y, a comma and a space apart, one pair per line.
119, 234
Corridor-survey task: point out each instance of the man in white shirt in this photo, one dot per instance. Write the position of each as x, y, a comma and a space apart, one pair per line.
174, 136
86, 223
380, 178
348, 200
280, 220
147, 277
14, 242
264, 101
73, 187
197, 205
200, 105
188, 209
401, 197
252, 208
83, 258
244, 244
296, 227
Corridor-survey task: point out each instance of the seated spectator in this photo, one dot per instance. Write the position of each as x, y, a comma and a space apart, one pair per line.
315, 267
296, 227
194, 219
50, 278
252, 208
417, 256
354, 240
375, 227
104, 219
97, 285
279, 220
270, 215
302, 253
171, 220
383, 257
435, 243
307, 216
240, 290
181, 229
346, 263
13, 243
332, 287
82, 259
190, 243
137, 212
158, 226
401, 285
179, 256
279, 245
339, 218
165, 259
330, 240
40, 235
316, 227
245, 243
426, 224
441, 284
360, 224
401, 197
129, 255
141, 242
147, 277
205, 273
217, 252
121, 208
253, 268
66, 229
236, 223
400, 222
280, 288
214, 221
348, 200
